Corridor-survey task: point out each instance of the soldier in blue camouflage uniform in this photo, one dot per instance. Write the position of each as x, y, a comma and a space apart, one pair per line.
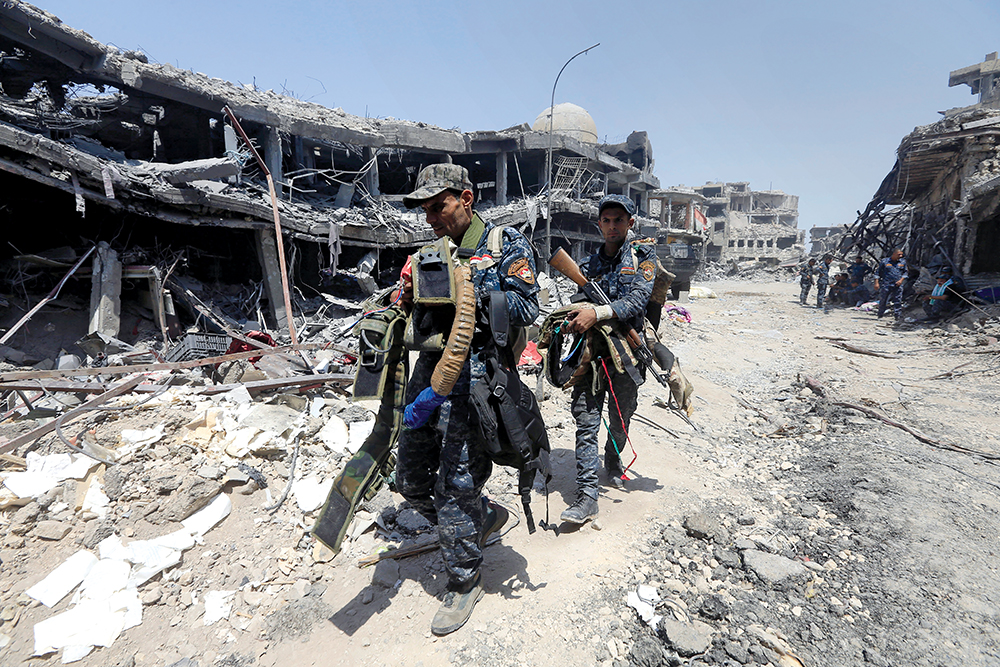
822, 272
806, 280
441, 463
625, 268
889, 279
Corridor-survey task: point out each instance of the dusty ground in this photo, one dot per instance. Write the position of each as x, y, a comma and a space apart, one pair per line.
785, 523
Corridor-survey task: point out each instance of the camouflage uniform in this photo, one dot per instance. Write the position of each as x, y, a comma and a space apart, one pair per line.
627, 279
805, 281
441, 467
822, 272
889, 293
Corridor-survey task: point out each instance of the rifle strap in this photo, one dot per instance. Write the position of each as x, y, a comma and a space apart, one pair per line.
626, 357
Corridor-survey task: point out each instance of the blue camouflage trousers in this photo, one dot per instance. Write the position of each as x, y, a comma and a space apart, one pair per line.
893, 294
587, 408
441, 469
820, 293
804, 293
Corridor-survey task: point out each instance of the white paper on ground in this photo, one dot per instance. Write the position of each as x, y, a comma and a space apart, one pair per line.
218, 606
206, 518
143, 438
311, 492
53, 588
106, 578
112, 547
316, 406
95, 501
88, 624
44, 473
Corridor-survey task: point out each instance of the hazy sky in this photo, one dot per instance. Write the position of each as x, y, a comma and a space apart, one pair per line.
804, 97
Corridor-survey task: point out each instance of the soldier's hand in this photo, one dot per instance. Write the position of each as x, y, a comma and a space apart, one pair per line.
579, 321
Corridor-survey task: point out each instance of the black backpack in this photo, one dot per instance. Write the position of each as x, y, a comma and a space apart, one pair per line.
508, 416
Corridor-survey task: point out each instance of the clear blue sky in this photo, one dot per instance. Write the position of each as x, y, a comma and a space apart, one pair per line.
810, 98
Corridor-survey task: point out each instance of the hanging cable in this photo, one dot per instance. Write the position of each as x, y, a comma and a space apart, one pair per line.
628, 438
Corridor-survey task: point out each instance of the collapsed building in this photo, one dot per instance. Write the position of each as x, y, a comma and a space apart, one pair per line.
940, 203
745, 224
824, 240
99, 145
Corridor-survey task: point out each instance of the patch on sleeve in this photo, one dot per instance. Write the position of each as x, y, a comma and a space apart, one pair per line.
522, 269
648, 270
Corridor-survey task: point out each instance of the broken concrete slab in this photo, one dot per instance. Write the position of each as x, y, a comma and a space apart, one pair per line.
688, 639
193, 170
773, 569
105, 292
192, 495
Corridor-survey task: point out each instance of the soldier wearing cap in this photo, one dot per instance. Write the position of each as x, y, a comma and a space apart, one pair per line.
441, 463
625, 268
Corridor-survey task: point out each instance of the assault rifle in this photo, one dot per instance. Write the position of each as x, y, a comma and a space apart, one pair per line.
564, 264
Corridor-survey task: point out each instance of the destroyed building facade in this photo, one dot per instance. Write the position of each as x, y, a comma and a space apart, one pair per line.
97, 144
940, 202
745, 224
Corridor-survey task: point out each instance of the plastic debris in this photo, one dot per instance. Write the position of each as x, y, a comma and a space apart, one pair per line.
699, 292
644, 600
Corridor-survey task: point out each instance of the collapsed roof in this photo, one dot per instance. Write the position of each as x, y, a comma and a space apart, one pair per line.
96, 142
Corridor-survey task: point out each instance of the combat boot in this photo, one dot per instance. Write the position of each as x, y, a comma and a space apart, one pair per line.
457, 606
613, 464
494, 518
582, 511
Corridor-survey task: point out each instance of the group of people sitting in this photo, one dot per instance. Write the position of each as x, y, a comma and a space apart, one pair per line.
888, 281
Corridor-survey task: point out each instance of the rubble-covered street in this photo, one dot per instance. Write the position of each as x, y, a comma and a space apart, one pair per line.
189, 265
788, 522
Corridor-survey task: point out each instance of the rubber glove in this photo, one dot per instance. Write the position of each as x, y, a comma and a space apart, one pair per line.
419, 411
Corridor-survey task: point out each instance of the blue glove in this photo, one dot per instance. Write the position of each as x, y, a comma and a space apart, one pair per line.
419, 411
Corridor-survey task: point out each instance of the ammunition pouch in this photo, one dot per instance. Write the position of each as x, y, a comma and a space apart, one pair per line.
434, 296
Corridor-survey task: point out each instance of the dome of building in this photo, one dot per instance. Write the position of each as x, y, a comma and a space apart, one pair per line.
569, 119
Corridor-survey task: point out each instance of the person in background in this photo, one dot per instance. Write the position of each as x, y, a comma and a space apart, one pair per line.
943, 299
806, 280
889, 283
822, 272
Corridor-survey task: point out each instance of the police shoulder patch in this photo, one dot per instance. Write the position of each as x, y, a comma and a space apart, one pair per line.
648, 270
521, 268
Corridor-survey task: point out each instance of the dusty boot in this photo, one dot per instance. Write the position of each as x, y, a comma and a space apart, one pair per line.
613, 464
456, 608
582, 511
494, 518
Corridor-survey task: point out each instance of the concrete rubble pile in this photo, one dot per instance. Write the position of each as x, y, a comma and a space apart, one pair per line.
100, 546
